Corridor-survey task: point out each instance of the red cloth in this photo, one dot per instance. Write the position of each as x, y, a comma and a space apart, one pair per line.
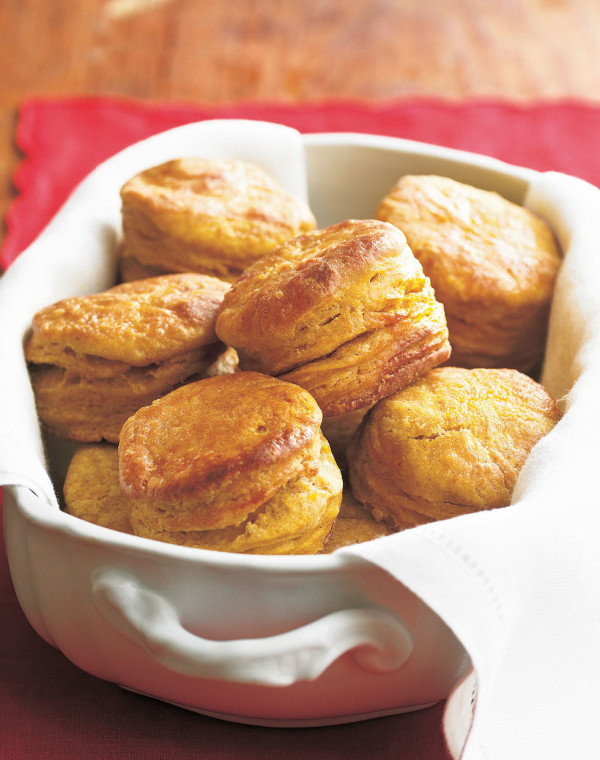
63, 139
50, 709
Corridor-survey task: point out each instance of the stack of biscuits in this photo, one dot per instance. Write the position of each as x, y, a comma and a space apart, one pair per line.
94, 360
258, 385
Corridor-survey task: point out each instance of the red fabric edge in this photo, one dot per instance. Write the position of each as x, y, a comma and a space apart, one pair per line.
546, 135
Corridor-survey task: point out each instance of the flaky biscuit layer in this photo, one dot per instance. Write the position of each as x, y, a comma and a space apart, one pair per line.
92, 490
94, 360
378, 363
297, 519
317, 291
346, 313
94, 406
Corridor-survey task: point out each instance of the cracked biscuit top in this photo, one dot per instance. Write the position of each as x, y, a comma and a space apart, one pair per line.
206, 215
452, 442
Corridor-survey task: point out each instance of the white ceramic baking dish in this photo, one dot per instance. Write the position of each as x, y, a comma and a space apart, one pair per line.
268, 640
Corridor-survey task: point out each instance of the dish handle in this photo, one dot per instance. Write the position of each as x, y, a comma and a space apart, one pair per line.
377, 638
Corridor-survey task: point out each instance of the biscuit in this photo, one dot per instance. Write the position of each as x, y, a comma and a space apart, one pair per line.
205, 215
94, 360
232, 463
451, 443
492, 264
92, 490
345, 312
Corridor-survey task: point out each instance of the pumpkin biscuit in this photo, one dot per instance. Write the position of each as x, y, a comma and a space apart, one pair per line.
453, 442
94, 360
231, 463
492, 264
205, 215
345, 312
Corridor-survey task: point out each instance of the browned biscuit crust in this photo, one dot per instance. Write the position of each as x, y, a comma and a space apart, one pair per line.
94, 360
451, 443
492, 264
210, 453
92, 491
346, 313
206, 215
136, 323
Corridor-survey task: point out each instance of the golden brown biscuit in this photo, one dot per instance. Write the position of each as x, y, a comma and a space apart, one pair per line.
345, 312
94, 360
231, 463
492, 264
354, 525
205, 215
92, 490
451, 443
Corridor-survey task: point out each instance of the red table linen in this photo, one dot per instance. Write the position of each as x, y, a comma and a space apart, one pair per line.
64, 139
50, 709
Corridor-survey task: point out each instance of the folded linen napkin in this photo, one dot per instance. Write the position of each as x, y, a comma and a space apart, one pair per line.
519, 586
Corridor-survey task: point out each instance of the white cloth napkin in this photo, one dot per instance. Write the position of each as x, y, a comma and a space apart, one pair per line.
520, 586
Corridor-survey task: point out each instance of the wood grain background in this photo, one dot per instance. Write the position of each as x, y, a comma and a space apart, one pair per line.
293, 50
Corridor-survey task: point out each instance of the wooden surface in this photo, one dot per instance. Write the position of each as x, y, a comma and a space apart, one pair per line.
293, 50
